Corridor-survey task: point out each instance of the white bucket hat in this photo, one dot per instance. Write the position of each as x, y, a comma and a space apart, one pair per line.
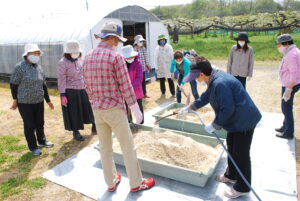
72, 46
127, 52
138, 38
31, 48
111, 29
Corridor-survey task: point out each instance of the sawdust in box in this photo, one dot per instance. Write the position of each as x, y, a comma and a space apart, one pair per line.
206, 113
173, 149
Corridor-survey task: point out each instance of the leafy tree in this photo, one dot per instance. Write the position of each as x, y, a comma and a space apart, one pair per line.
265, 6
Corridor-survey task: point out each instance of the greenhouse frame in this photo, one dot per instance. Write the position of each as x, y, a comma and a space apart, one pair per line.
51, 34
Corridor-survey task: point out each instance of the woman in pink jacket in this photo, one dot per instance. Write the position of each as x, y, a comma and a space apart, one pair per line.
135, 70
76, 106
290, 80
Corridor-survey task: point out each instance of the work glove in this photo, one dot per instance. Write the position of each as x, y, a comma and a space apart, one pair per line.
64, 101
137, 113
209, 128
185, 110
249, 78
181, 87
287, 94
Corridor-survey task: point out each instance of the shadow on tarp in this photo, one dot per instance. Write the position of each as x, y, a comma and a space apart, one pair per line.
71, 147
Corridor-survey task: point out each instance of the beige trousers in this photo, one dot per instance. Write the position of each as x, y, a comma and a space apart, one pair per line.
115, 120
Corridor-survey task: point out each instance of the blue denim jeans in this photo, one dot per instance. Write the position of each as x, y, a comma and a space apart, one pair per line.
287, 110
193, 87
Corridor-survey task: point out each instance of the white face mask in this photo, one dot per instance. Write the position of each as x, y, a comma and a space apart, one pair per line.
281, 49
130, 60
34, 59
179, 62
140, 44
241, 43
75, 55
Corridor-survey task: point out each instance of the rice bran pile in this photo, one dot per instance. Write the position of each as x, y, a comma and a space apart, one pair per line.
173, 149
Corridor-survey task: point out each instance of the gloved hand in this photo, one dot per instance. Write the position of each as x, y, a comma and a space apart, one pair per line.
181, 87
64, 101
209, 128
137, 113
185, 110
249, 78
287, 94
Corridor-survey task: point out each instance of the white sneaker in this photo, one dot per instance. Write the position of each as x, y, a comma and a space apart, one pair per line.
36, 152
47, 144
231, 193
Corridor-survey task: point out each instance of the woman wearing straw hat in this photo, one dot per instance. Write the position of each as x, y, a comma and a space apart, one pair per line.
240, 61
76, 107
163, 56
135, 72
139, 46
29, 90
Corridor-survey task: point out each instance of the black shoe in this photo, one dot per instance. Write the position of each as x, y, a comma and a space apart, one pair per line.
77, 136
279, 130
94, 130
282, 135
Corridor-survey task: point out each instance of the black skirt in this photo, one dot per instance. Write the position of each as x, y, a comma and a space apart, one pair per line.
78, 111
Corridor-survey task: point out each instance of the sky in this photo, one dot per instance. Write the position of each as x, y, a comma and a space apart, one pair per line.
12, 10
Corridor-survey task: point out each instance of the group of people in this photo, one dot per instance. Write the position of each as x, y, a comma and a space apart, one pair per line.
107, 87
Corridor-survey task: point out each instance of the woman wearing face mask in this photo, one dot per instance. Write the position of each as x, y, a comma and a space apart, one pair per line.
163, 56
289, 75
29, 90
76, 107
143, 55
182, 65
135, 71
240, 61
235, 112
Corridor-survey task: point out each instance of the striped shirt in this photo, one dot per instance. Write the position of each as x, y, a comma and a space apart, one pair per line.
106, 79
143, 57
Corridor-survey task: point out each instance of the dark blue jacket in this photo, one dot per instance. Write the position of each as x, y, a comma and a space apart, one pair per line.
234, 109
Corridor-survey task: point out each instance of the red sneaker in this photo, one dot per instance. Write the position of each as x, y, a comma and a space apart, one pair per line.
114, 188
146, 184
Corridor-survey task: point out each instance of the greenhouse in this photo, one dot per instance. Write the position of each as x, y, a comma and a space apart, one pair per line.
51, 34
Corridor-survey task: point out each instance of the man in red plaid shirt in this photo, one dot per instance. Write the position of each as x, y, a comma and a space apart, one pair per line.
107, 83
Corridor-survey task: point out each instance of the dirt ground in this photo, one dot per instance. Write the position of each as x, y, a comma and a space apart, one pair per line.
264, 89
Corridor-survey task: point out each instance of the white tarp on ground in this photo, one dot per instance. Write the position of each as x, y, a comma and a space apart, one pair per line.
273, 172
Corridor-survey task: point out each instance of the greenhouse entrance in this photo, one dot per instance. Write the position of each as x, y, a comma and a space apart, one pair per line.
131, 29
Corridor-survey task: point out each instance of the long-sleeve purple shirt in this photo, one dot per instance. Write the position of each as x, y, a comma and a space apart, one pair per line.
70, 75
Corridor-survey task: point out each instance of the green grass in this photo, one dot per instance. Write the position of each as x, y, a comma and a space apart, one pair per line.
11, 187
18, 162
218, 47
9, 143
35, 183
